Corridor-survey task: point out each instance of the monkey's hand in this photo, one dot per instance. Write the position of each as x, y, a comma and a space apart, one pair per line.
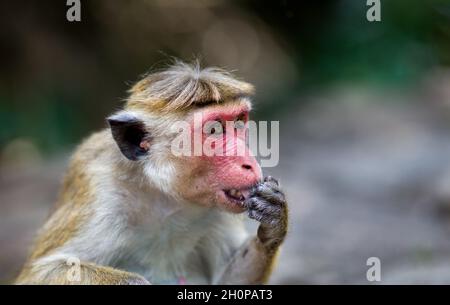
267, 204
253, 262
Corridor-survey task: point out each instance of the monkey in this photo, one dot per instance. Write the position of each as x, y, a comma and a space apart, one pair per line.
132, 212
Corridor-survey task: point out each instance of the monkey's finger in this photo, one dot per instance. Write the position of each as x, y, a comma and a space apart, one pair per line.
261, 205
275, 196
265, 187
271, 180
263, 218
272, 185
251, 203
254, 215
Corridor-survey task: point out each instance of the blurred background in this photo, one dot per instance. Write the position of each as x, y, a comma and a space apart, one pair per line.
364, 111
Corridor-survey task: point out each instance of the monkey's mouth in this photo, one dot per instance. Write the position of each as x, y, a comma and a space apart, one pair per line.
237, 196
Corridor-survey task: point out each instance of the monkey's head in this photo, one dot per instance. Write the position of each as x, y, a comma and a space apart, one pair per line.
186, 129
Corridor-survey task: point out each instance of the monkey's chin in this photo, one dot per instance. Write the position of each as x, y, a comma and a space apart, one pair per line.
232, 200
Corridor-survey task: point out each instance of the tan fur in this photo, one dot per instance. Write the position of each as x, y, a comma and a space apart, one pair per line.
182, 86
56, 274
72, 208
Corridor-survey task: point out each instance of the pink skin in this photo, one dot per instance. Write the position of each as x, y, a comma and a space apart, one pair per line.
236, 168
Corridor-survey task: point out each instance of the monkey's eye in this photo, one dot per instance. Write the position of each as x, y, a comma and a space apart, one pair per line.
213, 128
239, 122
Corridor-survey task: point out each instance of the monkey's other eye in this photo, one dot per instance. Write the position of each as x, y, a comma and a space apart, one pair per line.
213, 128
239, 122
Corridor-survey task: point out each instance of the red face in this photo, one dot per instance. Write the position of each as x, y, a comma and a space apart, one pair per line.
222, 170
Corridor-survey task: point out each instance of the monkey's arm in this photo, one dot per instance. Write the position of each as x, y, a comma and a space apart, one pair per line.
58, 272
253, 262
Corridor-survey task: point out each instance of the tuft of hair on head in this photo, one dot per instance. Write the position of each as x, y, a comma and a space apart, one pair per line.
182, 86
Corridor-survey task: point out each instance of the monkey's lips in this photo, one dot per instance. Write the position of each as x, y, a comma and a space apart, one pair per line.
235, 199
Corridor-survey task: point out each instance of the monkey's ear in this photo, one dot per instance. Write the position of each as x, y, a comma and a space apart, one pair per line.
130, 135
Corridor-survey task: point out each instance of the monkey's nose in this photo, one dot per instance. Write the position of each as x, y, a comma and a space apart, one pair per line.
247, 166
251, 172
